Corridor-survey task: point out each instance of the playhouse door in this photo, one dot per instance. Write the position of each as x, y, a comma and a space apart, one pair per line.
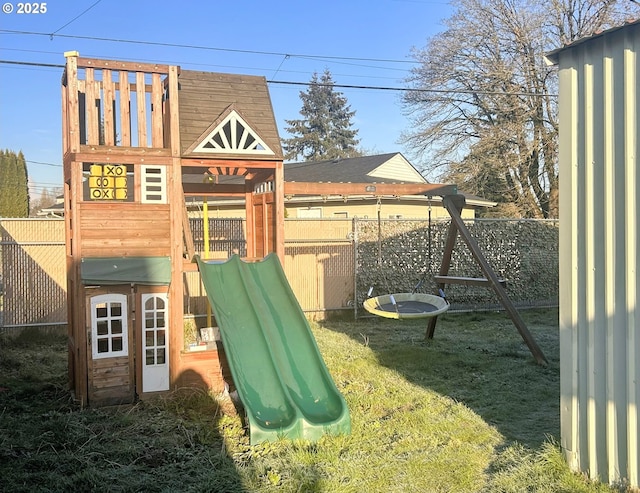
110, 367
155, 343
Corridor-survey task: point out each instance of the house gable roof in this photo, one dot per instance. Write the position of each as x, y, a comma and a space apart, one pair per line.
208, 101
382, 168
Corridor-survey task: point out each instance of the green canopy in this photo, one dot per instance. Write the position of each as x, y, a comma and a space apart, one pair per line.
154, 271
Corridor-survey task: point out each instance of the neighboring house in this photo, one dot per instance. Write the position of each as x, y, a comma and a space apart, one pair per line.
382, 168
55, 210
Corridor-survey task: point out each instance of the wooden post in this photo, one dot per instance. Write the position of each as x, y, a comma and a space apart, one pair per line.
186, 231
250, 223
452, 235
176, 199
205, 250
125, 109
278, 191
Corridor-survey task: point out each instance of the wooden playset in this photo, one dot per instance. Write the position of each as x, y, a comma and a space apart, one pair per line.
137, 139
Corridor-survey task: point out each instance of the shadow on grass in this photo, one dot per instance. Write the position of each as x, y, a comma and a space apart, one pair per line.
477, 359
48, 444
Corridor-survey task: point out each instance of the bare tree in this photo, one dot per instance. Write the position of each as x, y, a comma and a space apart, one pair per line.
483, 104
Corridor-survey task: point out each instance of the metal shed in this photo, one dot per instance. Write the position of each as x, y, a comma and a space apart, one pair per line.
599, 103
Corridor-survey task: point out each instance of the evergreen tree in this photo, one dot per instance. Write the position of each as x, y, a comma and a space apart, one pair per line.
14, 190
325, 130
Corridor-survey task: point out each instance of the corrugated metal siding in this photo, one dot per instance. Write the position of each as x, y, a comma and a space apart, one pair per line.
599, 104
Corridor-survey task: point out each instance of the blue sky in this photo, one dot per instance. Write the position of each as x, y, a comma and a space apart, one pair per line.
354, 39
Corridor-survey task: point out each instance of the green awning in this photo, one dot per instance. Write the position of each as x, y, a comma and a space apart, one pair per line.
154, 271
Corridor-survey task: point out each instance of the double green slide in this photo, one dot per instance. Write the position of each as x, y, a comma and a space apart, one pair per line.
275, 363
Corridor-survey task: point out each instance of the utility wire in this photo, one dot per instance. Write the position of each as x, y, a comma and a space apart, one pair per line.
286, 57
344, 86
410, 89
74, 19
45, 164
32, 64
208, 48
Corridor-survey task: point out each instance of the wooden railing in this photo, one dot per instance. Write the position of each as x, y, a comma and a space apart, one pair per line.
115, 104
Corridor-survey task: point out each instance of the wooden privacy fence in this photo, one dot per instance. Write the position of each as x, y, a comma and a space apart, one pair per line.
330, 263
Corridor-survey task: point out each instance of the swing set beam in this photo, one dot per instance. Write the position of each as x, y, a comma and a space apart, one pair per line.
375, 189
454, 205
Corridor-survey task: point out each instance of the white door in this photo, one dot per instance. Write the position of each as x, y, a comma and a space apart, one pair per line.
155, 343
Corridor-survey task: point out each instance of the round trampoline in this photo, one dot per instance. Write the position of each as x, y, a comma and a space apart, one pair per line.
406, 305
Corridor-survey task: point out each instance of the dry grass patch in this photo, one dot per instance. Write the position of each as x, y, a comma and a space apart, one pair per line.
467, 412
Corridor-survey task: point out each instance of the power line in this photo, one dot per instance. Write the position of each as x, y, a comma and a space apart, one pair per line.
75, 18
45, 164
191, 63
208, 48
226, 66
345, 86
32, 64
410, 89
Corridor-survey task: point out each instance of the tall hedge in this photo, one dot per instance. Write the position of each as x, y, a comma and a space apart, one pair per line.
14, 190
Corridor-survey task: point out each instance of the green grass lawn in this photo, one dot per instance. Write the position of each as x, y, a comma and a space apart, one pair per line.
469, 411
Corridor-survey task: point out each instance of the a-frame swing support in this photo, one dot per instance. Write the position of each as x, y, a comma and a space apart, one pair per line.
454, 205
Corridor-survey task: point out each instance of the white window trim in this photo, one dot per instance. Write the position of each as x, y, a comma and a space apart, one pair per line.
109, 298
160, 193
165, 298
209, 145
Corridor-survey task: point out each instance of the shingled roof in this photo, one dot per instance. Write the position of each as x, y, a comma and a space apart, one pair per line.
207, 99
381, 168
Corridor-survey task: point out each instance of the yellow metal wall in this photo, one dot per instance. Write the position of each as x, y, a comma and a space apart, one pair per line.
599, 103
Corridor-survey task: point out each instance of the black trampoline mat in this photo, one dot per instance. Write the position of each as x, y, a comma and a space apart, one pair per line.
408, 307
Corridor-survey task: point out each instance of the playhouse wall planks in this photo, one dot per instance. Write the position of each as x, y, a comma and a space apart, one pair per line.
599, 104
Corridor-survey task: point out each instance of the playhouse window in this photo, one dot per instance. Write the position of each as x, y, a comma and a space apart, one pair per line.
155, 331
109, 326
154, 184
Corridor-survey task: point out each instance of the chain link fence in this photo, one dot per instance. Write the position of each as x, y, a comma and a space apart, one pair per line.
32, 272
394, 255
331, 264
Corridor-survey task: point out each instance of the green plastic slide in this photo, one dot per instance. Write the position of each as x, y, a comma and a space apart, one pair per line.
277, 368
